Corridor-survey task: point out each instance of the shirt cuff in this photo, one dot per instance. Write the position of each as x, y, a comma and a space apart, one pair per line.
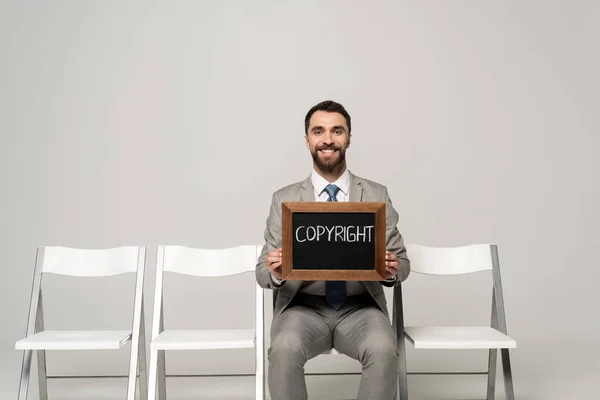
277, 282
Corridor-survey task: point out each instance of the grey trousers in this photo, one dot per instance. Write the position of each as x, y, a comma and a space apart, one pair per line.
359, 329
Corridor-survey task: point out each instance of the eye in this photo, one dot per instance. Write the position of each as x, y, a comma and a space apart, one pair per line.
338, 132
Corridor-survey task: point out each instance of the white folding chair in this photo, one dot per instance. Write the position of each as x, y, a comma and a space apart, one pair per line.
204, 263
464, 260
85, 263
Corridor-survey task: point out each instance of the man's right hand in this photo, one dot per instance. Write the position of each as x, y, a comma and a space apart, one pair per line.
273, 262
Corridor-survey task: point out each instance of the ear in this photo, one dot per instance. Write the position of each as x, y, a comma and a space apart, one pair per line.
306, 142
349, 137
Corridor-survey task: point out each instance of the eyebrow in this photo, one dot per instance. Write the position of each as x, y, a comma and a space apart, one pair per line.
320, 128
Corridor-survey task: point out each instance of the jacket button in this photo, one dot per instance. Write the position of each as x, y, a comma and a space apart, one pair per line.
268, 285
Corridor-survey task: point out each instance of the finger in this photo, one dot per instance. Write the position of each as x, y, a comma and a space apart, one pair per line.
273, 267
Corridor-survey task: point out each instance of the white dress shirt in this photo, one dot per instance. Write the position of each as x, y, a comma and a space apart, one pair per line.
319, 183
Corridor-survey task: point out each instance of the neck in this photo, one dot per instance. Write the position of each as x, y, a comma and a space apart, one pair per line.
333, 174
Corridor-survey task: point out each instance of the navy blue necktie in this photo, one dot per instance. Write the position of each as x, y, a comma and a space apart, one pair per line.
335, 291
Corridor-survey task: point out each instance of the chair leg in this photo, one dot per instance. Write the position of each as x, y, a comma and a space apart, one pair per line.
491, 386
398, 322
25, 373
162, 377
42, 376
259, 374
133, 368
152, 375
493, 353
507, 373
33, 322
402, 390
142, 365
41, 354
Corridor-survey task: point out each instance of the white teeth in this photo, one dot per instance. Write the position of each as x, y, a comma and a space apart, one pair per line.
327, 151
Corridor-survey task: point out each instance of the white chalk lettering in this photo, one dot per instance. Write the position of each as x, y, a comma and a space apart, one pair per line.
314, 233
297, 238
340, 233
351, 236
320, 231
336, 233
329, 233
363, 234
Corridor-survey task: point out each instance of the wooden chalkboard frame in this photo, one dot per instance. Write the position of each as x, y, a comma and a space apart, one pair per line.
288, 208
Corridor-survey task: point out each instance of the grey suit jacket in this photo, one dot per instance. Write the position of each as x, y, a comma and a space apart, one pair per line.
360, 190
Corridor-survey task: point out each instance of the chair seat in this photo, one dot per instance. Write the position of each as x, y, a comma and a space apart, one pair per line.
74, 340
472, 337
204, 339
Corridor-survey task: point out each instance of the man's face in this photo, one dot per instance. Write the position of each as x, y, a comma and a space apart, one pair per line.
327, 139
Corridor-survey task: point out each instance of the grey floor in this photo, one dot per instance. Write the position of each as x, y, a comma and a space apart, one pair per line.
242, 388
567, 379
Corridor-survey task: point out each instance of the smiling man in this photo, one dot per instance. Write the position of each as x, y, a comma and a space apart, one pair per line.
311, 317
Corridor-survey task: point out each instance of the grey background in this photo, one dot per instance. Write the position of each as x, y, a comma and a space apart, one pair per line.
173, 123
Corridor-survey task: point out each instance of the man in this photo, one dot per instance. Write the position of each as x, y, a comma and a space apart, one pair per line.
311, 317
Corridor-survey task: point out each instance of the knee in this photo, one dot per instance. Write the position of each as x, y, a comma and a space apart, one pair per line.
382, 353
287, 348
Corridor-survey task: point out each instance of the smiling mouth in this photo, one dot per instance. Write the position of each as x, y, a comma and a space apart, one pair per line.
328, 152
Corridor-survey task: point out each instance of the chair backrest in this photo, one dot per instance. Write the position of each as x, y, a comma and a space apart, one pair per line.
209, 262
206, 263
450, 260
90, 262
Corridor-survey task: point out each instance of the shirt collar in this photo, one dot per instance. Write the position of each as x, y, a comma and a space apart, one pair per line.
319, 183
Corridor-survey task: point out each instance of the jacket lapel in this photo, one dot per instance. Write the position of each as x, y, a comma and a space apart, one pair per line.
307, 193
356, 190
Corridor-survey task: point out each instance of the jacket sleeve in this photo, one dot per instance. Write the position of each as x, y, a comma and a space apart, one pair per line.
395, 242
272, 241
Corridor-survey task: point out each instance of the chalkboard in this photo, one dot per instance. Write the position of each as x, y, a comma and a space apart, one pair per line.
333, 241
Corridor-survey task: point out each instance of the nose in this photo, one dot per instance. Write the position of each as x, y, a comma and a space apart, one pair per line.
327, 138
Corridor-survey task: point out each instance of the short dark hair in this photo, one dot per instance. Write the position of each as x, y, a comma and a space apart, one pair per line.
329, 106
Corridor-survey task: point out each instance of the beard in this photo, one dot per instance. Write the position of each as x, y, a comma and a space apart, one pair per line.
328, 165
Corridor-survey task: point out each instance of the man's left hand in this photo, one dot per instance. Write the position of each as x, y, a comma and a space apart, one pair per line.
391, 265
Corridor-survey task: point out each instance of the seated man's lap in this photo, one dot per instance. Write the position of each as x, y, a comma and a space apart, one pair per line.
309, 327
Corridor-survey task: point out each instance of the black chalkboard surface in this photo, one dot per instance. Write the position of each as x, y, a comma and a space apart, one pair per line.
333, 241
